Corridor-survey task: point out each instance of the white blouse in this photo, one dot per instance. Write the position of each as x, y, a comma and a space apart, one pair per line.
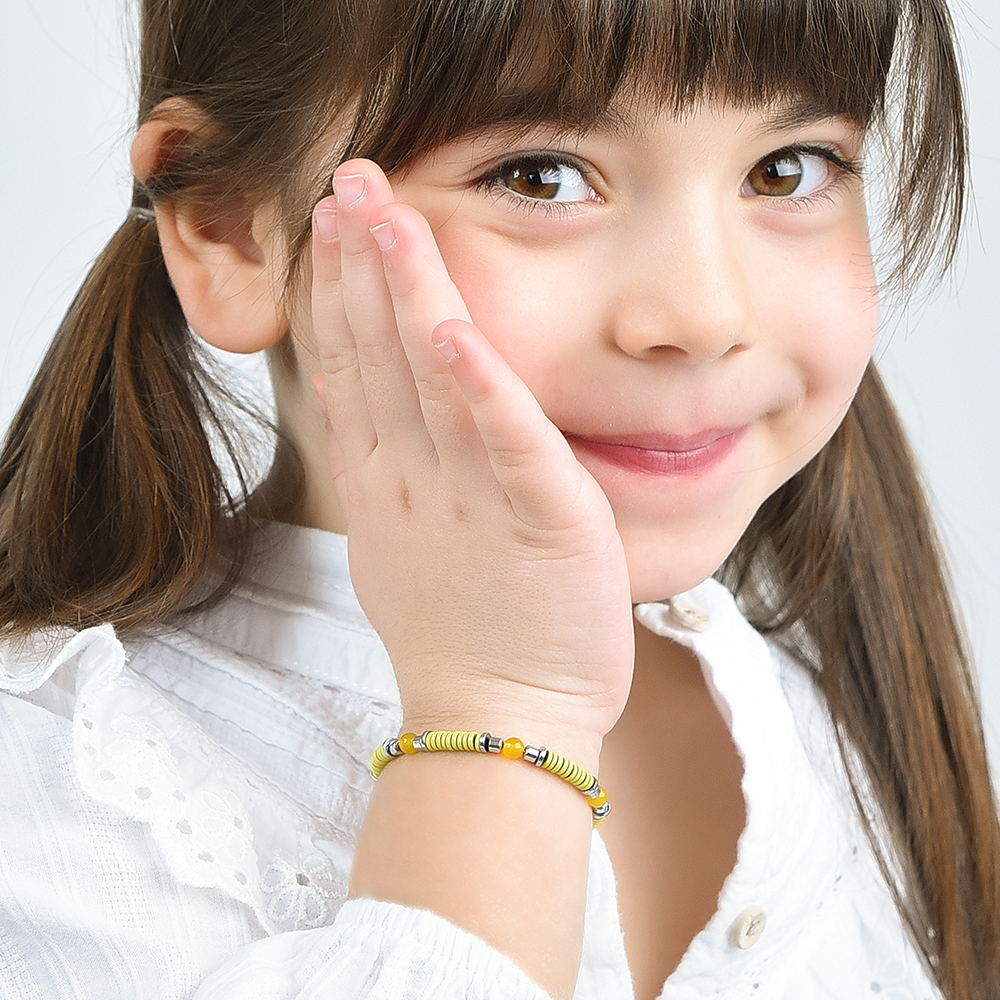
178, 818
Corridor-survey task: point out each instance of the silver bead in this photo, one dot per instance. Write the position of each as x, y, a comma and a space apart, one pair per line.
601, 811
536, 755
420, 742
594, 790
491, 744
391, 747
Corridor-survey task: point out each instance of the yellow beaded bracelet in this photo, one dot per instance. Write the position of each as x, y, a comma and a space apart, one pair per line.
437, 740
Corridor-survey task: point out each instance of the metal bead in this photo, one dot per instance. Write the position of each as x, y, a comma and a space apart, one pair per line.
594, 790
536, 755
420, 742
391, 747
492, 744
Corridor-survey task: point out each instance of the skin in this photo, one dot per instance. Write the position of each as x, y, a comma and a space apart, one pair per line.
494, 545
712, 310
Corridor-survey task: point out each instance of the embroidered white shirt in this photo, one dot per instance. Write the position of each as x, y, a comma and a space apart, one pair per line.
178, 818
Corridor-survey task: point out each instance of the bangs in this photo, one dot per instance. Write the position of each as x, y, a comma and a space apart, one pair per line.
454, 67
429, 71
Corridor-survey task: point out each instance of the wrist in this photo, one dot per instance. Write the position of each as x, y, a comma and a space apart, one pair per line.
481, 743
573, 724
580, 745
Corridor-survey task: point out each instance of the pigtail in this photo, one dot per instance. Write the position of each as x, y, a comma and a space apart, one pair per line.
850, 542
113, 503
112, 507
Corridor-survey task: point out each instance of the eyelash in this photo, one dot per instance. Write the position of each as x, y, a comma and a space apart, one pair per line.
492, 182
846, 168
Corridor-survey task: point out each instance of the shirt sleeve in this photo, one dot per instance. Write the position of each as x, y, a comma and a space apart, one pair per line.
375, 951
90, 908
88, 911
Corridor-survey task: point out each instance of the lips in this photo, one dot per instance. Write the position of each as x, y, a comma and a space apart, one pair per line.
663, 455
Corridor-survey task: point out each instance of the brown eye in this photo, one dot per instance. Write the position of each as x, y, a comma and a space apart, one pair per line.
787, 173
533, 182
545, 181
778, 175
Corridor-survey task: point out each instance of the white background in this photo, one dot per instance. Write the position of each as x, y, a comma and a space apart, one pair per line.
65, 120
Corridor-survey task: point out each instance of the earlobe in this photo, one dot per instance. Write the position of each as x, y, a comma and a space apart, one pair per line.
221, 257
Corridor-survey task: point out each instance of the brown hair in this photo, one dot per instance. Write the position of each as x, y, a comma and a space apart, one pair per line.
112, 505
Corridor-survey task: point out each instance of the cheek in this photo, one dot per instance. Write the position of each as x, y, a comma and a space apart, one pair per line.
821, 323
524, 302
831, 316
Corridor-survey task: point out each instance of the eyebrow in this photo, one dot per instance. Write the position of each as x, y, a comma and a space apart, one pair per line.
794, 113
787, 113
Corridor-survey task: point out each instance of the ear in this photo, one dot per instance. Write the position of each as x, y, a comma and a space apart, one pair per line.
222, 258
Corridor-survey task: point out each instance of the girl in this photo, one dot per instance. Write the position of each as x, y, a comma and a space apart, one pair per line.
586, 323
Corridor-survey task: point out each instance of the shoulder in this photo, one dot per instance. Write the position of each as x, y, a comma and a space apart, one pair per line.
86, 908
61, 656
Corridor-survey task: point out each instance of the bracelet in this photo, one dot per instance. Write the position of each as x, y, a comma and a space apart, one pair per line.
437, 740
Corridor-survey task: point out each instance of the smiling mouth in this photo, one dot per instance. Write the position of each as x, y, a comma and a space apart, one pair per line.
663, 455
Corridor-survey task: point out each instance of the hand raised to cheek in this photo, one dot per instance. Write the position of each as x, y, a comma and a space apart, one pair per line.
484, 554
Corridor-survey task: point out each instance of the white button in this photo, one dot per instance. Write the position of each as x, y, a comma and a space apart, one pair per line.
749, 927
688, 616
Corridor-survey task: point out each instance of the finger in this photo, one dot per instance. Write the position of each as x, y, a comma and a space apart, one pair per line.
423, 295
385, 372
533, 463
343, 395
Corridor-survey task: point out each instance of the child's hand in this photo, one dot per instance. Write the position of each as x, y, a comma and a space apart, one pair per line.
484, 554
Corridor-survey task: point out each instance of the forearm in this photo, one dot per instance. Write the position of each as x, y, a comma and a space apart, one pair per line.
488, 560
497, 847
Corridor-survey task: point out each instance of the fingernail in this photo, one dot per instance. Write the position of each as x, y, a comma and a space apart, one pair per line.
385, 234
350, 188
447, 348
325, 220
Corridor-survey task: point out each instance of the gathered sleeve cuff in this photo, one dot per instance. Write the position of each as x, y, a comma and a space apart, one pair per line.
372, 951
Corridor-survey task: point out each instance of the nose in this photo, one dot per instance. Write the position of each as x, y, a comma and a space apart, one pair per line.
684, 290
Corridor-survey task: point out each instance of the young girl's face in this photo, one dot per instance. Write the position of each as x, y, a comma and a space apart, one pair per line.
691, 300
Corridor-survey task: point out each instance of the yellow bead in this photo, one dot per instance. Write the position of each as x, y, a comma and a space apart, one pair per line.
513, 749
406, 743
596, 803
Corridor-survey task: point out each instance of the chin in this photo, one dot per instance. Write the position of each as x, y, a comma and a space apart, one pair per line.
670, 565
658, 583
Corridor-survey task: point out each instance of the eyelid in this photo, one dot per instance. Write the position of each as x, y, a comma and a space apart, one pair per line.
492, 176
533, 157
829, 153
